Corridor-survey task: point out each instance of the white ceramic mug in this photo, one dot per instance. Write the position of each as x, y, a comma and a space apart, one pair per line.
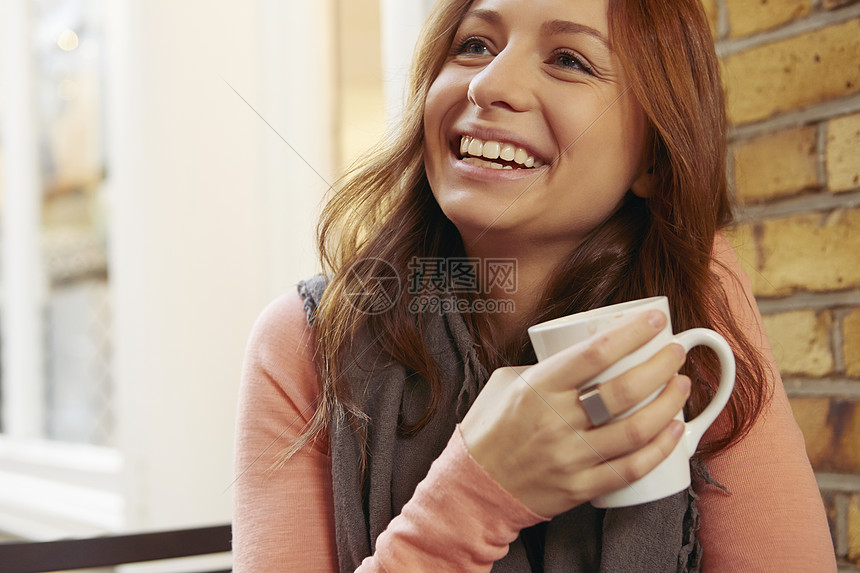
673, 474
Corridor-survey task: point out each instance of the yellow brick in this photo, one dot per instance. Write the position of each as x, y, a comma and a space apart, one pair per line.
793, 73
711, 12
843, 153
831, 430
851, 342
854, 529
801, 342
811, 417
812, 252
749, 16
776, 165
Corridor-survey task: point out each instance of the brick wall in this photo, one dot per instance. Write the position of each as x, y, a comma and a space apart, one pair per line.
792, 77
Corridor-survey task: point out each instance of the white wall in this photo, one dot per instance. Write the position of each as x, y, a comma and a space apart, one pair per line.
401, 23
298, 99
210, 218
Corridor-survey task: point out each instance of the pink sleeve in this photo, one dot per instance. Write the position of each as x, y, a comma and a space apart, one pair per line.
459, 518
774, 520
282, 519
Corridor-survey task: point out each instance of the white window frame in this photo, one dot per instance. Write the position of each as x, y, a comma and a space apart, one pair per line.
401, 23
48, 489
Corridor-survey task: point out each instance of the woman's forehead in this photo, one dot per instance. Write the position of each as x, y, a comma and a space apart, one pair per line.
593, 11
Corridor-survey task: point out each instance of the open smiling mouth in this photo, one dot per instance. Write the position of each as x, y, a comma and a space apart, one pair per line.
495, 154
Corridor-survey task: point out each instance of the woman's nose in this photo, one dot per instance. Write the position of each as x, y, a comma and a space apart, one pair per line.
504, 83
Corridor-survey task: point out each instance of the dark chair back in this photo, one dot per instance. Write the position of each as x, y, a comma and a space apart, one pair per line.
110, 550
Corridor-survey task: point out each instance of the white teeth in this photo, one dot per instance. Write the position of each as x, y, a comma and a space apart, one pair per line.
521, 156
491, 149
475, 147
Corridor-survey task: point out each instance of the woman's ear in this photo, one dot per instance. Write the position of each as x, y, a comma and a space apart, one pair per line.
644, 185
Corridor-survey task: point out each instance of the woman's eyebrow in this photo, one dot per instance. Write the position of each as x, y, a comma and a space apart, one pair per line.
565, 27
489, 16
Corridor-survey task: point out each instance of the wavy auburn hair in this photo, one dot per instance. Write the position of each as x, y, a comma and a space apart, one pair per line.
384, 214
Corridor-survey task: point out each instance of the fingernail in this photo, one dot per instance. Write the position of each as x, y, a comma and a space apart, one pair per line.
677, 429
684, 384
657, 319
679, 351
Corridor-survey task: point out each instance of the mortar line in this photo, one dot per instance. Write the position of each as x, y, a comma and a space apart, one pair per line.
809, 300
838, 483
813, 22
842, 388
817, 202
723, 26
821, 156
796, 118
838, 340
840, 503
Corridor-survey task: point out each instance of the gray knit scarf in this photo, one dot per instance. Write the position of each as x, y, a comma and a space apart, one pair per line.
657, 536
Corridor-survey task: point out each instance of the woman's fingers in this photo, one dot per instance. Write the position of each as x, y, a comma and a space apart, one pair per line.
635, 385
620, 472
530, 433
624, 436
573, 366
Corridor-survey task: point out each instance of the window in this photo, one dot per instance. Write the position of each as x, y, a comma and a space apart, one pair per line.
56, 429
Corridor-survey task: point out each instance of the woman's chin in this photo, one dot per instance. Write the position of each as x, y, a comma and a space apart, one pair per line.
484, 234
472, 222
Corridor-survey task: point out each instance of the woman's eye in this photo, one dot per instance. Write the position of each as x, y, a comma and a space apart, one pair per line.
473, 47
571, 61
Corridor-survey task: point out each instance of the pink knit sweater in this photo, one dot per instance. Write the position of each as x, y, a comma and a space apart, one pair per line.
459, 518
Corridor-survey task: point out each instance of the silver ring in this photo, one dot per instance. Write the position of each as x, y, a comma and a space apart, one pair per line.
595, 407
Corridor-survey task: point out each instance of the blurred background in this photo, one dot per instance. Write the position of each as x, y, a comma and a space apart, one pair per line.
162, 165
162, 168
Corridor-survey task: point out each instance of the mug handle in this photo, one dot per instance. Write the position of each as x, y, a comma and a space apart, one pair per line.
696, 427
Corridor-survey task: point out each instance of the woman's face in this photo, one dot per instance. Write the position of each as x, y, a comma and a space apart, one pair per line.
530, 131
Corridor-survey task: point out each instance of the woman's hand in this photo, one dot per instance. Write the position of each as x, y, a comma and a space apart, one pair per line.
528, 430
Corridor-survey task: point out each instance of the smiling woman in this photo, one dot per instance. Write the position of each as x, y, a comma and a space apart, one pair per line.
562, 155
554, 89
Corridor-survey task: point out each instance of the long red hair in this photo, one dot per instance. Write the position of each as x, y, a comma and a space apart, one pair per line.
384, 214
